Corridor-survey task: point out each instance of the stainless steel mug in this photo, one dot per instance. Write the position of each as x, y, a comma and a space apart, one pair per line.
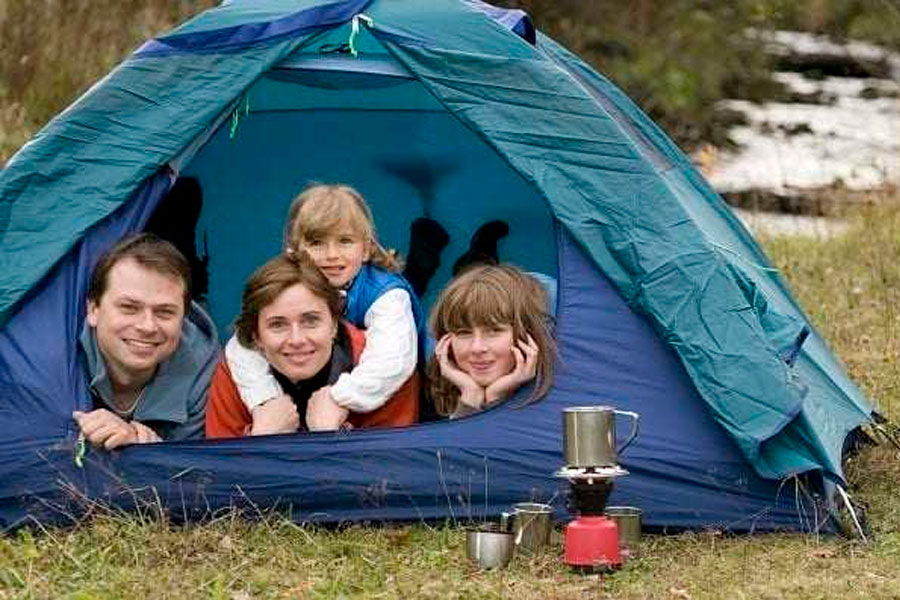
589, 435
531, 522
490, 549
628, 520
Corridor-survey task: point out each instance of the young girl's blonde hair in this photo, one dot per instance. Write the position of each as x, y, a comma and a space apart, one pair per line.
486, 296
323, 207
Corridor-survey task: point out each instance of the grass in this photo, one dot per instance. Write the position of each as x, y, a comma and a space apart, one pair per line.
849, 286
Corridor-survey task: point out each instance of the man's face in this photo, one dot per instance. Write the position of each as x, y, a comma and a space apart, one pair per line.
137, 320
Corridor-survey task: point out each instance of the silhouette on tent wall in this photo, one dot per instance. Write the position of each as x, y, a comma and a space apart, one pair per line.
175, 219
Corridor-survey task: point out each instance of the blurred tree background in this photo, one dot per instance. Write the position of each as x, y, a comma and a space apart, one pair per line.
52, 51
675, 58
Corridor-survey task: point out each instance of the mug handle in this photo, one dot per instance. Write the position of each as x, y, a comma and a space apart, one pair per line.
635, 420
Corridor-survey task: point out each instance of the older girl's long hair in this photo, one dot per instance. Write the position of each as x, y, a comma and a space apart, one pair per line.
486, 296
322, 208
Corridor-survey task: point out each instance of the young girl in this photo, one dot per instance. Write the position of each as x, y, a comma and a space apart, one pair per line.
493, 335
334, 225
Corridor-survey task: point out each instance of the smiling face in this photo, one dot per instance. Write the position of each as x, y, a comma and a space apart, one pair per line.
484, 352
137, 320
339, 253
295, 333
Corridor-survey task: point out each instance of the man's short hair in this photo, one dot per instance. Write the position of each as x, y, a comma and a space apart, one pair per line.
150, 252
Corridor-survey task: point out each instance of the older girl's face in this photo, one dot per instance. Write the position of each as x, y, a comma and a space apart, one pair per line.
484, 352
296, 333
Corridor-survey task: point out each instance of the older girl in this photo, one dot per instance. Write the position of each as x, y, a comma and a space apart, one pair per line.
493, 335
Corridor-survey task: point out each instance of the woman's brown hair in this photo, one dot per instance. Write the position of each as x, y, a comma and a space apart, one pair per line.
270, 280
486, 296
322, 208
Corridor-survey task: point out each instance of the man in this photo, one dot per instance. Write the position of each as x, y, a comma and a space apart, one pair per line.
149, 352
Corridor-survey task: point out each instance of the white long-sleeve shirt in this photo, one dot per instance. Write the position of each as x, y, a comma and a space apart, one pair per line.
387, 361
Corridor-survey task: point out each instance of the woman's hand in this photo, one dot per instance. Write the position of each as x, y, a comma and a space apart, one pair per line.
470, 393
278, 415
525, 353
323, 413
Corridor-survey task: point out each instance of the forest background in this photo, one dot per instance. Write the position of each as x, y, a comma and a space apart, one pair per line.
677, 59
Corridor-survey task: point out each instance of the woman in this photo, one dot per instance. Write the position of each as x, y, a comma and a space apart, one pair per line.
291, 314
493, 335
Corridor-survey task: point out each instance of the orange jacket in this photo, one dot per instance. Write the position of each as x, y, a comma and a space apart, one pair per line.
227, 416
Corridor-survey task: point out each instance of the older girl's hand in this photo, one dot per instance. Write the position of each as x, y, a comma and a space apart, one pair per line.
470, 393
323, 413
525, 353
278, 415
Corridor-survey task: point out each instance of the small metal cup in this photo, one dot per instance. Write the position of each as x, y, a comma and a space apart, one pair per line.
531, 522
488, 548
628, 520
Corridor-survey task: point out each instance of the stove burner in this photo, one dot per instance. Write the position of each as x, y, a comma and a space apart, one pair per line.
589, 498
574, 474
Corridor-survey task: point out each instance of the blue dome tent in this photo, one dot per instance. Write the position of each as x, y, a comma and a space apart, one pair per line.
461, 112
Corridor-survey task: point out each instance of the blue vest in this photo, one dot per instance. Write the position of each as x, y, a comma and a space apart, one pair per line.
368, 285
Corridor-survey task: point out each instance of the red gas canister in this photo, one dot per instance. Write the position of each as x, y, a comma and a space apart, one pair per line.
592, 541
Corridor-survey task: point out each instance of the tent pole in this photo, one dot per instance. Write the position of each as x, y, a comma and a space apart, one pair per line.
849, 505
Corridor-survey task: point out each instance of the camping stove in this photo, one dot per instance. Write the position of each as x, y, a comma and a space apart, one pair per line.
591, 539
589, 441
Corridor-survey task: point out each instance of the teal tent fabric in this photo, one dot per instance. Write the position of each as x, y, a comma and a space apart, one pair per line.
699, 294
627, 196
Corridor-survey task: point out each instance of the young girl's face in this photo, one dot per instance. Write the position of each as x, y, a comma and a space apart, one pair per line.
339, 254
484, 352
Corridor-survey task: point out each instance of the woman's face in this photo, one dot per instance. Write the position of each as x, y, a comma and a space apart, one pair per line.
484, 352
296, 333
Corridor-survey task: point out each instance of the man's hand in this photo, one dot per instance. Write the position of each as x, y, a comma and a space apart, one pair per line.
144, 434
105, 429
278, 415
323, 413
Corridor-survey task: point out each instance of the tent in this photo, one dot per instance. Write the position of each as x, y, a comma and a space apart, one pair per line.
460, 111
